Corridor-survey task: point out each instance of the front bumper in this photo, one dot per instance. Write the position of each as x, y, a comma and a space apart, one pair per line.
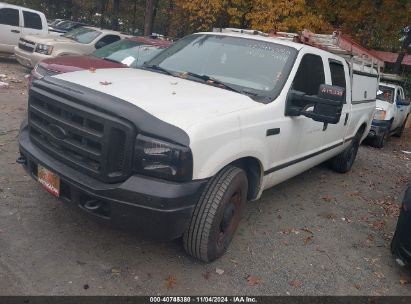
28, 59
151, 207
378, 128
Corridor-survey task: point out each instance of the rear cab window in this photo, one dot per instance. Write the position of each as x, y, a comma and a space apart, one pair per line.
9, 16
32, 20
338, 74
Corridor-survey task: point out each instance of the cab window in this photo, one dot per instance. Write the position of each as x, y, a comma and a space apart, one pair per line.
310, 75
106, 41
32, 20
337, 73
9, 16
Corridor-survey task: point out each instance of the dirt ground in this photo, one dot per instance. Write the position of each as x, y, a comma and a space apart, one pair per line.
321, 233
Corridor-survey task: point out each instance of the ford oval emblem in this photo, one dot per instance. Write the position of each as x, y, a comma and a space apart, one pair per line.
58, 132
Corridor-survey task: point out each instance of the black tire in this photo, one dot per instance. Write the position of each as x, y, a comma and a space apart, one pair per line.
217, 215
343, 162
400, 130
380, 141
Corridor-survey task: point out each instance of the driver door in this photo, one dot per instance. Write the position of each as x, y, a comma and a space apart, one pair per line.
304, 135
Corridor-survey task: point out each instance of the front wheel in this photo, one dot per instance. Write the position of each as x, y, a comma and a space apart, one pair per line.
382, 140
217, 215
343, 162
400, 130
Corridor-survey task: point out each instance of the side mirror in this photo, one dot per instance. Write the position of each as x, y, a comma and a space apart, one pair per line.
325, 107
403, 102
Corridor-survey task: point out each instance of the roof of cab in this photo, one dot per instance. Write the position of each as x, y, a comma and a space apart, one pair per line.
3, 4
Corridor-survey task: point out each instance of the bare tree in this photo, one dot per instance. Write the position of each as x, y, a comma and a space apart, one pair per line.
116, 6
149, 17
404, 50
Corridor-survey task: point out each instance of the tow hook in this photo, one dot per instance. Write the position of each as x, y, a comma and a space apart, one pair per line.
92, 205
21, 160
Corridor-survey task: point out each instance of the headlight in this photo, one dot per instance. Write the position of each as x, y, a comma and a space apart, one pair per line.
44, 49
158, 158
380, 114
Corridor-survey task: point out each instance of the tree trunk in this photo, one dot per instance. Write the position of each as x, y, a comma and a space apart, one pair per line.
404, 51
149, 18
116, 15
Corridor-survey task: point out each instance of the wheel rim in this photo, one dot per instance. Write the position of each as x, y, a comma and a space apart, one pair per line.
230, 220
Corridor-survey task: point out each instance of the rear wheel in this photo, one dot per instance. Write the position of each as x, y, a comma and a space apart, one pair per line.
217, 215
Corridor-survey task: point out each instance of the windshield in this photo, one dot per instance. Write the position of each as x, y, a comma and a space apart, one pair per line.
386, 94
259, 68
131, 53
83, 35
66, 25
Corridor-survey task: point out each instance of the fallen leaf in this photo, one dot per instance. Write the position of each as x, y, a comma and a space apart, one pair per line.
296, 283
327, 198
170, 282
252, 280
115, 271
307, 240
219, 271
105, 83
403, 282
379, 275
92, 70
358, 286
206, 275
86, 286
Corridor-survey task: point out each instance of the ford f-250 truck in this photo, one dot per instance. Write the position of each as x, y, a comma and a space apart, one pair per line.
176, 147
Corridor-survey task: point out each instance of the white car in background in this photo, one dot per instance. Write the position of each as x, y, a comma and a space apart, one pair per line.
16, 22
81, 41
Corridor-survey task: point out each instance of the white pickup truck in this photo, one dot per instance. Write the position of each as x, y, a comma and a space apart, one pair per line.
391, 114
177, 147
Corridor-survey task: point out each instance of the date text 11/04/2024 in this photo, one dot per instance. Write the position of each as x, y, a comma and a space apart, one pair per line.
236, 299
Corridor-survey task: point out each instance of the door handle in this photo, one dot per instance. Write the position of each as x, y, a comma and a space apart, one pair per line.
15, 31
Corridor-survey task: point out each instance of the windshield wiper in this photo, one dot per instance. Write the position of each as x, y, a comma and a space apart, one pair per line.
157, 68
212, 80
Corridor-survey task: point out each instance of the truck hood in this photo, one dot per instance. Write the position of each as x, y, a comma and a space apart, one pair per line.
177, 101
49, 39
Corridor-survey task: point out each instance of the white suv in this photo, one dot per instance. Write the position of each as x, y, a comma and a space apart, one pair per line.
81, 41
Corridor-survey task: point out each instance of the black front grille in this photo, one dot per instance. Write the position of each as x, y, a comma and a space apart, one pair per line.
26, 48
26, 45
81, 137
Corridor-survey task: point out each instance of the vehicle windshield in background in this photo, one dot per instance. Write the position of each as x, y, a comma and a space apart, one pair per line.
83, 35
66, 25
386, 94
253, 67
128, 52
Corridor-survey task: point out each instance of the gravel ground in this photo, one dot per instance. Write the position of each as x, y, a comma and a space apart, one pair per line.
320, 233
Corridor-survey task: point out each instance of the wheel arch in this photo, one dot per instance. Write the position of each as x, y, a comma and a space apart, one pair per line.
255, 174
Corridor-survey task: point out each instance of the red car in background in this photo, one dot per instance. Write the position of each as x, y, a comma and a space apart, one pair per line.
130, 52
